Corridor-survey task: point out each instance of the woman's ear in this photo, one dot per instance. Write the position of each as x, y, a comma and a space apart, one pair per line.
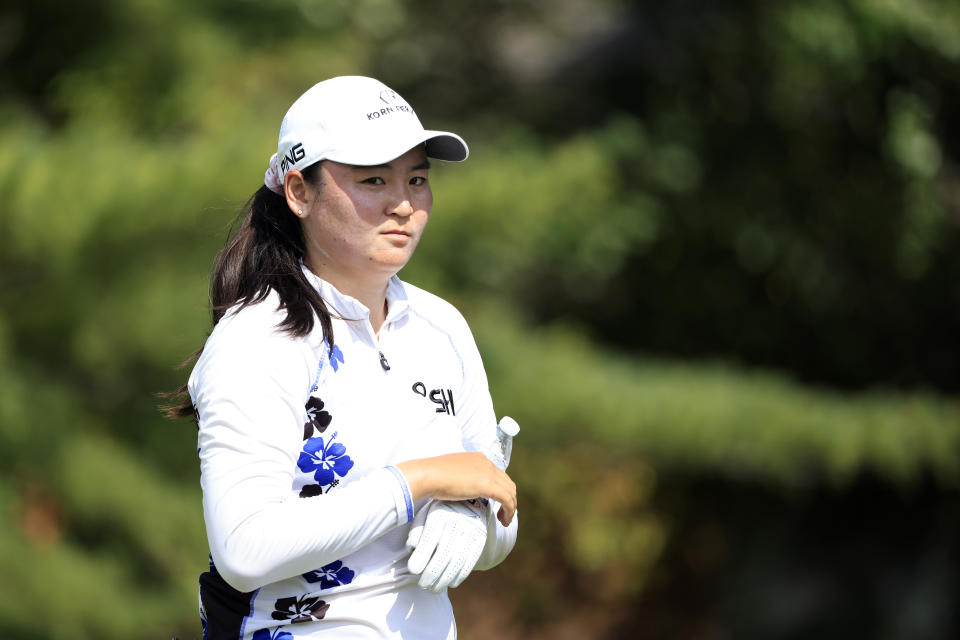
295, 190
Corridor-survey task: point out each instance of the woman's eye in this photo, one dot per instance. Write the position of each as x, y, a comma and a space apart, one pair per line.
374, 180
418, 180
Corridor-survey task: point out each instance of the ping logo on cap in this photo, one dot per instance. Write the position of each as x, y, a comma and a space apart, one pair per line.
290, 157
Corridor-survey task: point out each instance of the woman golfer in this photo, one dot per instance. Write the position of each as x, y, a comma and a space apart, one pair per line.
347, 438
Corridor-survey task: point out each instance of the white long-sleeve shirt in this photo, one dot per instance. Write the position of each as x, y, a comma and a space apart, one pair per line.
306, 516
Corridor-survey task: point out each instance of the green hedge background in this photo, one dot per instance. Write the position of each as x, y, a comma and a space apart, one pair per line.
710, 254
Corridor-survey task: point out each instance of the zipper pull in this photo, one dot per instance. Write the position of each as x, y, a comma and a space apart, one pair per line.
383, 362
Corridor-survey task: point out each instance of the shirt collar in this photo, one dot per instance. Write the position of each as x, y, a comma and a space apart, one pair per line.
349, 308
398, 304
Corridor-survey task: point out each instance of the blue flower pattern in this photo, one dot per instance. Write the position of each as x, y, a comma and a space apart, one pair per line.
324, 460
336, 358
331, 575
265, 634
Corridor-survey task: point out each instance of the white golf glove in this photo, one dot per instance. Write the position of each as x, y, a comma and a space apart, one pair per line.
447, 539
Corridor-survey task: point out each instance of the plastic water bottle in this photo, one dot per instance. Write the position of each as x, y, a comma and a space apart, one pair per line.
506, 430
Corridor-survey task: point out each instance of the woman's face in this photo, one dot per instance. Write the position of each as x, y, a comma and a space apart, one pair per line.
364, 223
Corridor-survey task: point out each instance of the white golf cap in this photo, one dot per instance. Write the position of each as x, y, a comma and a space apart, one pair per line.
359, 121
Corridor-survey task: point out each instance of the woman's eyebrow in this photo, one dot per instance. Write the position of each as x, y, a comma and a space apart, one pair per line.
423, 166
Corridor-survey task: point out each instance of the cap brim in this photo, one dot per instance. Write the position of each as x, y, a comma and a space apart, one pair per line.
443, 145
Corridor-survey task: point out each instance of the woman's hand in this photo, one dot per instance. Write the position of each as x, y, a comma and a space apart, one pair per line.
461, 476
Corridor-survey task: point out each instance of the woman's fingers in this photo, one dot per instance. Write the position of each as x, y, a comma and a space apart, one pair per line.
508, 503
508, 507
505, 516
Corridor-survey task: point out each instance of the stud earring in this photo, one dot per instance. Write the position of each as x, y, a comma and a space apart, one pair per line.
299, 212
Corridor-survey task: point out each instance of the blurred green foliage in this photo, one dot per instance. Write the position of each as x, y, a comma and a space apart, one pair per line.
716, 186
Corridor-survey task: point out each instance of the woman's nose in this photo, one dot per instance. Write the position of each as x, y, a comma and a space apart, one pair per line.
403, 208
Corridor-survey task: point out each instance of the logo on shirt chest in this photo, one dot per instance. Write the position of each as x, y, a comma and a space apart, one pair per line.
441, 397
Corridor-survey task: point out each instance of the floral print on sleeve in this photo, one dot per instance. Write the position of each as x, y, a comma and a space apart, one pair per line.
324, 460
317, 419
336, 358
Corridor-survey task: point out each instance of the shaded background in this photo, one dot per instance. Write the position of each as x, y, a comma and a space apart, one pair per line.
709, 252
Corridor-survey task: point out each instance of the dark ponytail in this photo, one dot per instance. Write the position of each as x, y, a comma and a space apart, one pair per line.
263, 255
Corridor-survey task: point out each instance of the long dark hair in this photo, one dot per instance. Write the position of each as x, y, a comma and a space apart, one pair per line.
263, 255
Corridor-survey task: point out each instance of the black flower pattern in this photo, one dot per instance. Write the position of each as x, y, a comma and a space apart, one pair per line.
302, 609
310, 490
317, 418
